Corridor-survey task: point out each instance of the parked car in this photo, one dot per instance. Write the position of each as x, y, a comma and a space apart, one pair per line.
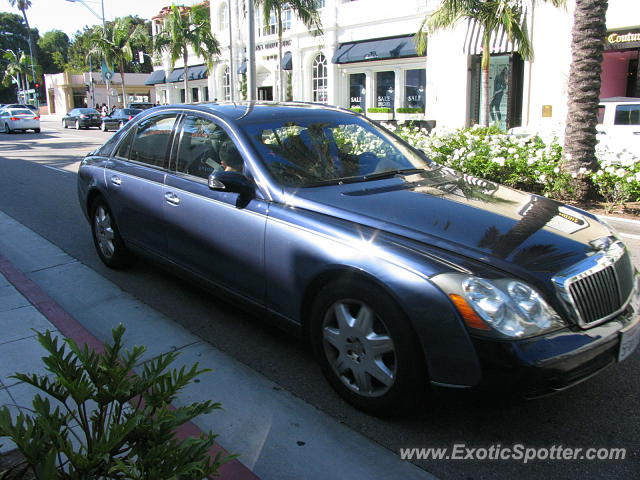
82, 118
400, 271
619, 119
141, 105
14, 119
118, 118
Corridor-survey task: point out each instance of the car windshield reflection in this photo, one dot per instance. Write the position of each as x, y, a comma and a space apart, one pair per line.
304, 153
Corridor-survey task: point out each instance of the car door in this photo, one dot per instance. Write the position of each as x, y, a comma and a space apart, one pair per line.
135, 182
214, 234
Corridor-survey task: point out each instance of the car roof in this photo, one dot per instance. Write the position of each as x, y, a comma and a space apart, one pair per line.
249, 112
620, 100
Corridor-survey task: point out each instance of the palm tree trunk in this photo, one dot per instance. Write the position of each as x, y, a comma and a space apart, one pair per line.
280, 96
486, 61
589, 29
124, 90
185, 58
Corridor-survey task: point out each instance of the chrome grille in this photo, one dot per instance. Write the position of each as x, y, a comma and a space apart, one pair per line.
597, 295
599, 287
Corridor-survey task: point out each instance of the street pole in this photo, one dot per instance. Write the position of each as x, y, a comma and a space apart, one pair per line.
251, 52
232, 74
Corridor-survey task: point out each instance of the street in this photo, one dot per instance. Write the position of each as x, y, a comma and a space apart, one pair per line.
38, 189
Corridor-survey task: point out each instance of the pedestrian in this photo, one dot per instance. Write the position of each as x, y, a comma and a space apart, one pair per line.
104, 110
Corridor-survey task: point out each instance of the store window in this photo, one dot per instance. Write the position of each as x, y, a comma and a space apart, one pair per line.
270, 25
506, 74
357, 91
226, 83
195, 95
224, 17
320, 79
182, 96
385, 94
205, 94
414, 83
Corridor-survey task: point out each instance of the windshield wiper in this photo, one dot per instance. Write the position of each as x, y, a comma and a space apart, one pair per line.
365, 178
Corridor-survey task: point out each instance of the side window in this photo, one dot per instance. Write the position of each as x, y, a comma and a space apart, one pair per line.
151, 140
627, 115
204, 148
601, 110
124, 149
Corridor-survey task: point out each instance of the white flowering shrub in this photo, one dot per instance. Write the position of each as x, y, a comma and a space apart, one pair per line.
528, 163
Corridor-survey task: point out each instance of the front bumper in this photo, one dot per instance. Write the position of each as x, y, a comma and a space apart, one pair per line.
546, 364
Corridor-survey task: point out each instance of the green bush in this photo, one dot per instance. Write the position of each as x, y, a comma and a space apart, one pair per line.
527, 163
356, 109
378, 110
110, 424
409, 110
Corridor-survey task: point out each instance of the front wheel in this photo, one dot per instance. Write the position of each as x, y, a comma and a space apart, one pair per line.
366, 348
103, 127
106, 237
64, 124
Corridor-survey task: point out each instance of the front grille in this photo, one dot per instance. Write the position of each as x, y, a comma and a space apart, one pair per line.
602, 292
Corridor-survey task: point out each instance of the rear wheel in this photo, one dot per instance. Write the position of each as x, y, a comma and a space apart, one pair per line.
106, 237
77, 124
103, 127
7, 128
36, 130
64, 124
367, 350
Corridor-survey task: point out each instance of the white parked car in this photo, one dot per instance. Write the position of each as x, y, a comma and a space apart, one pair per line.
13, 119
619, 119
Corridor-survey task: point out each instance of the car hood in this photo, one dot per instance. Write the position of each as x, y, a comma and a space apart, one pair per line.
510, 230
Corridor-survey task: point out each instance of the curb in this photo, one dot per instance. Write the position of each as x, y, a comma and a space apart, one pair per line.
70, 327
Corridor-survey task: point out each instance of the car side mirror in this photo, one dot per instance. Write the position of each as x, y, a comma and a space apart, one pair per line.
234, 182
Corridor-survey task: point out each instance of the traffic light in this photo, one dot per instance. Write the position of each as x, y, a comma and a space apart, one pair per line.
37, 85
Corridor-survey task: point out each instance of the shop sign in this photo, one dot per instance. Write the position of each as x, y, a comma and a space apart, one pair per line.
623, 39
269, 46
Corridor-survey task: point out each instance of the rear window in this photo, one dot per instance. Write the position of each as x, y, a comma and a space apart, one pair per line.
627, 115
87, 110
131, 111
22, 111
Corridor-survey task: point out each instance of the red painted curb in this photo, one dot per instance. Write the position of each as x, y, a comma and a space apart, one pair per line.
70, 327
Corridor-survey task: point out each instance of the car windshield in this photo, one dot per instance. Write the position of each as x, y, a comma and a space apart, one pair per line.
87, 110
130, 111
339, 148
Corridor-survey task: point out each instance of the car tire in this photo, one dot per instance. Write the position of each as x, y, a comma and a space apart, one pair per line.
7, 129
103, 127
120, 125
36, 130
106, 237
366, 347
77, 124
64, 124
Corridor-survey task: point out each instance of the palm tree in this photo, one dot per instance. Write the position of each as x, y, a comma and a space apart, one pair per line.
186, 27
23, 5
493, 16
18, 69
116, 41
305, 10
589, 29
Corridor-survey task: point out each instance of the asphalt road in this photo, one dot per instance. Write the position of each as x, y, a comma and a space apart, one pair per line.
38, 188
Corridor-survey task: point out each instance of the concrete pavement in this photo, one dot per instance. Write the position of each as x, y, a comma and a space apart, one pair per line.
277, 435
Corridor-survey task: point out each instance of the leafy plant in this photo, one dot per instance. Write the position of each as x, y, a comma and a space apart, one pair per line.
379, 110
409, 110
356, 109
107, 422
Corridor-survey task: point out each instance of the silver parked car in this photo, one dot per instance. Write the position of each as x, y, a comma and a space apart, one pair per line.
13, 119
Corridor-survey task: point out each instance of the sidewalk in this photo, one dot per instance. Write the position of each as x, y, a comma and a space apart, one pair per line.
277, 435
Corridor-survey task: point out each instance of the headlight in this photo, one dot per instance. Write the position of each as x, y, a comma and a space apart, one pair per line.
502, 307
511, 307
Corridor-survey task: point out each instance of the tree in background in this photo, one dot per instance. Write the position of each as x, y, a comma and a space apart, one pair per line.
53, 51
305, 10
587, 44
13, 36
18, 70
494, 16
23, 6
116, 43
186, 27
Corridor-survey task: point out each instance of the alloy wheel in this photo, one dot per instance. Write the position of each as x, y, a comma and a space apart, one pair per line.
359, 348
104, 231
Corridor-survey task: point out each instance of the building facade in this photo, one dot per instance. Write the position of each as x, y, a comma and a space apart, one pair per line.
365, 59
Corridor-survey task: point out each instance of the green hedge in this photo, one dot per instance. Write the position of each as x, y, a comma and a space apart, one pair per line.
379, 110
409, 110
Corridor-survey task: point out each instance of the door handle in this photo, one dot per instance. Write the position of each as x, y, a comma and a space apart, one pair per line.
116, 180
172, 198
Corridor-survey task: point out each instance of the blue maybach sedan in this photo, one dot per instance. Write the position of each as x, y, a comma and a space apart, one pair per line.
400, 272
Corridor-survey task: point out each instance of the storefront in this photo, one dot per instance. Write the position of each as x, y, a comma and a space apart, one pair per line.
620, 64
384, 74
